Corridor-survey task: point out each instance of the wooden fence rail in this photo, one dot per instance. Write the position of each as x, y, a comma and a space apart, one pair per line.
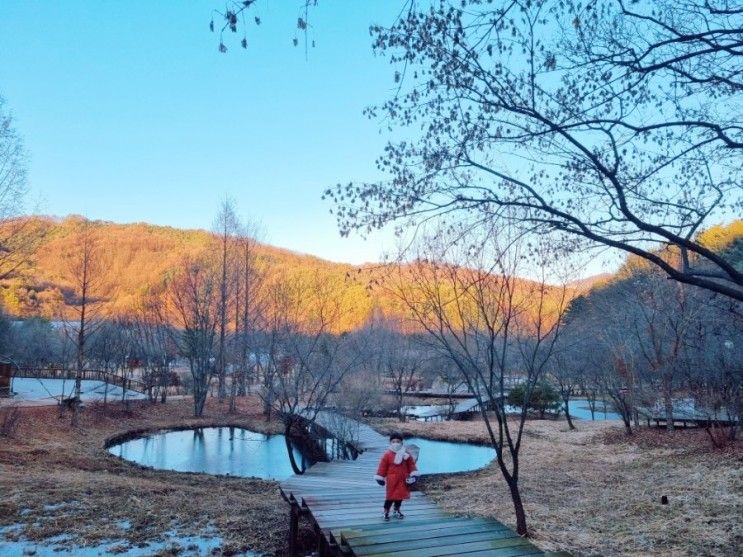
87, 374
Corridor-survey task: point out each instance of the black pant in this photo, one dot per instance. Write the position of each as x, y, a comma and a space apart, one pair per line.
388, 504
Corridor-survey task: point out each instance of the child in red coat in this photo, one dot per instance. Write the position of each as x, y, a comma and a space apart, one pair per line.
397, 470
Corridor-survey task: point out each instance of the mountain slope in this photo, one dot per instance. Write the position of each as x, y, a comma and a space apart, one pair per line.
134, 259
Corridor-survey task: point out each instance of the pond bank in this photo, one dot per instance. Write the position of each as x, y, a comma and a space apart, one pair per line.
594, 491
59, 481
215, 450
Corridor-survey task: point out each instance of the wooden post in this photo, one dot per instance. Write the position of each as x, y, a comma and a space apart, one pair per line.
6, 378
294, 529
321, 545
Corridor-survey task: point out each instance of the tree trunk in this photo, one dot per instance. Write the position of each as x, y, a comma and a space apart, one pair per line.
164, 380
233, 393
668, 403
627, 423
287, 438
199, 399
200, 388
241, 390
518, 507
567, 413
76, 397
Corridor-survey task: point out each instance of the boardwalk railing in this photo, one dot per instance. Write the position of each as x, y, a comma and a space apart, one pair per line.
685, 417
462, 409
86, 374
344, 505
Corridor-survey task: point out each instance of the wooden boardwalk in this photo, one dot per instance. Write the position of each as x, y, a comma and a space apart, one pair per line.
465, 407
345, 506
85, 374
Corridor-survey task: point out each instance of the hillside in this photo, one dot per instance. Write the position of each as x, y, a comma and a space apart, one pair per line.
134, 259
725, 239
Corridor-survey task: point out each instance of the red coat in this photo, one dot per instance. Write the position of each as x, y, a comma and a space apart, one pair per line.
396, 474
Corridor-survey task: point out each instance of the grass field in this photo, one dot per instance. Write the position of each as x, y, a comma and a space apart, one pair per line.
595, 491
57, 480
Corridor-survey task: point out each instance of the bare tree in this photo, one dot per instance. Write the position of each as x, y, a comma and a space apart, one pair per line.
249, 305
666, 316
194, 294
15, 238
83, 270
308, 360
566, 369
403, 365
154, 340
35, 344
226, 226
617, 125
613, 367
451, 379
490, 325
398, 360
110, 351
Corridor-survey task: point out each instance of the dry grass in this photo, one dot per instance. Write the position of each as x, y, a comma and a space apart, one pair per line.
594, 491
58, 480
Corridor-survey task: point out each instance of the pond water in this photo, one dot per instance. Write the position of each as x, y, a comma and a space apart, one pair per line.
212, 450
442, 457
578, 409
28, 388
604, 410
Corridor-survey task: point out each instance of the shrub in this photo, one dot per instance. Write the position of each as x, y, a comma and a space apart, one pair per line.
543, 398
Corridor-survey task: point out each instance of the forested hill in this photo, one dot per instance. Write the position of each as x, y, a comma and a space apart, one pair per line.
621, 288
725, 239
133, 260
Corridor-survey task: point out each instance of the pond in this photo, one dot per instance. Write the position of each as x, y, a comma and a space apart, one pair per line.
604, 410
28, 388
578, 409
230, 451
442, 457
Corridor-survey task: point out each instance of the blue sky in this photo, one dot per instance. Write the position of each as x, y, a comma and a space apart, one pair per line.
130, 113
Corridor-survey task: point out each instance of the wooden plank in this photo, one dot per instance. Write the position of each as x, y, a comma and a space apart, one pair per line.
340, 497
370, 512
361, 495
350, 498
462, 548
411, 526
343, 506
398, 546
525, 551
324, 494
361, 521
372, 516
408, 535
